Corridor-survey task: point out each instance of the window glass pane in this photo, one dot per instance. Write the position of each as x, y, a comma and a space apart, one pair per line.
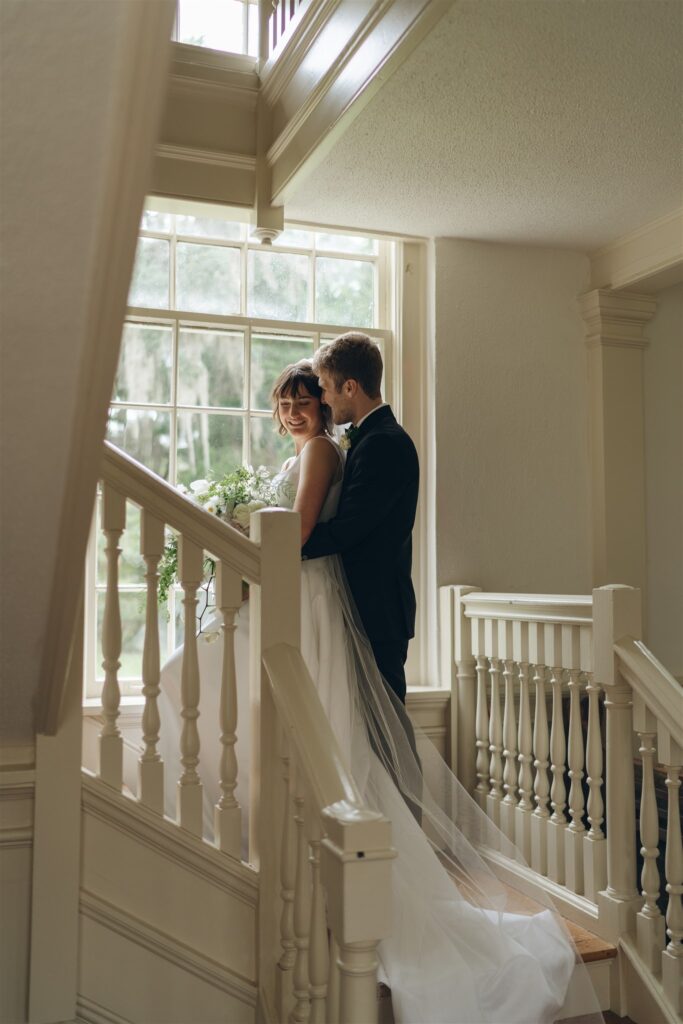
131, 563
295, 239
252, 38
269, 356
207, 278
210, 368
344, 292
268, 448
208, 227
152, 220
149, 286
132, 605
144, 373
207, 443
346, 243
144, 434
213, 23
278, 285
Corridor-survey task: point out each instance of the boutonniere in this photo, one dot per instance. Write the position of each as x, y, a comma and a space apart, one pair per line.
348, 438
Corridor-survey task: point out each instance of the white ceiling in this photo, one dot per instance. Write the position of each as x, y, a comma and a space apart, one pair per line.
549, 122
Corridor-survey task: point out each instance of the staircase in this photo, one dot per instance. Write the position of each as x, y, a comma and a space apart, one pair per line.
202, 931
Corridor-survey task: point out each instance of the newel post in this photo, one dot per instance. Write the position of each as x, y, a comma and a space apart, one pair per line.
617, 613
459, 672
355, 866
274, 617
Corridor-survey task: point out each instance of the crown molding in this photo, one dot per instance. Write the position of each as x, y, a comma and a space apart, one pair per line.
212, 157
651, 257
616, 319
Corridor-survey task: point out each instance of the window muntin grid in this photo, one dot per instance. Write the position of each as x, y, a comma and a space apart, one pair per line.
159, 410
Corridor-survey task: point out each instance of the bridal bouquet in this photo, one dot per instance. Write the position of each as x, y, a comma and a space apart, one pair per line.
232, 498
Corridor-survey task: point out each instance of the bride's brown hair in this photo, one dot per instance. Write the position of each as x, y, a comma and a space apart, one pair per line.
294, 379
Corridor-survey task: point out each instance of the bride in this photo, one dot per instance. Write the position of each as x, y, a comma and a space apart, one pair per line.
457, 954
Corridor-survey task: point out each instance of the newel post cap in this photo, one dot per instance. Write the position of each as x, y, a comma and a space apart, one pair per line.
616, 613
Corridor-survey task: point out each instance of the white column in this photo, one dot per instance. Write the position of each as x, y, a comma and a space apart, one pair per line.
111, 743
150, 765
189, 789
614, 336
227, 813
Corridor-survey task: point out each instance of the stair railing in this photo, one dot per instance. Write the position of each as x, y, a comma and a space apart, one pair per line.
275, 23
552, 697
324, 859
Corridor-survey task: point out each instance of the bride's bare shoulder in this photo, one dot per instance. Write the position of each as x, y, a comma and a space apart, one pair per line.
320, 451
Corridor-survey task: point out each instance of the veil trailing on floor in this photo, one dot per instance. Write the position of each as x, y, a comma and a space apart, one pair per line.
465, 947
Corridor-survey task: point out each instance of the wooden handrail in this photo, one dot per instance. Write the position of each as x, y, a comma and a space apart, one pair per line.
145, 488
662, 693
308, 728
570, 609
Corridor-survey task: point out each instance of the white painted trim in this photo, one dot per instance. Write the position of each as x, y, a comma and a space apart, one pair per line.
652, 250
16, 838
53, 979
144, 53
229, 161
163, 945
90, 1012
278, 71
165, 837
650, 680
572, 609
653, 986
18, 757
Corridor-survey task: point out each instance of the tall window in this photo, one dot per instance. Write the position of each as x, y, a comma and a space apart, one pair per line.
213, 318
230, 25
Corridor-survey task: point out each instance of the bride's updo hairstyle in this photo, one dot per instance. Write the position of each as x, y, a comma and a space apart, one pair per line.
292, 381
352, 356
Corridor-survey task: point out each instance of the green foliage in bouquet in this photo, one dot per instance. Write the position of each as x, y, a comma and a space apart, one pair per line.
232, 498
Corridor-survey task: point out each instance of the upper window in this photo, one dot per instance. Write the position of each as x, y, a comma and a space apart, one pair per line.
230, 25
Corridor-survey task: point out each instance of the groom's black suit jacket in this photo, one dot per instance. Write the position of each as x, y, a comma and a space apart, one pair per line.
372, 528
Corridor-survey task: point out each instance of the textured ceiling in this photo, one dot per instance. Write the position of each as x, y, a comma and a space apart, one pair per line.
552, 122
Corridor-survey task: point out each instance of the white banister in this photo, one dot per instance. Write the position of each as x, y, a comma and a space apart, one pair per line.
465, 694
284, 988
539, 834
111, 743
525, 806
595, 846
558, 795
150, 765
509, 805
227, 813
495, 795
672, 957
482, 726
318, 958
302, 908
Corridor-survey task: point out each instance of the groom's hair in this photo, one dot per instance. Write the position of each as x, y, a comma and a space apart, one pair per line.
351, 356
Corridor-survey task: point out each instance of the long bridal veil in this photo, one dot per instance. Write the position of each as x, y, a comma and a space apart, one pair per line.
464, 946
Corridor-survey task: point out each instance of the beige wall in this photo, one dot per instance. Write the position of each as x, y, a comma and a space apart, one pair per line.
511, 418
663, 388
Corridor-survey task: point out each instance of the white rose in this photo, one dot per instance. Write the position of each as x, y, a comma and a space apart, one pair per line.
241, 513
199, 486
211, 506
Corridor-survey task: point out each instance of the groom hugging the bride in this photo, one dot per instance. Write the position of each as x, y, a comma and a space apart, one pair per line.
372, 528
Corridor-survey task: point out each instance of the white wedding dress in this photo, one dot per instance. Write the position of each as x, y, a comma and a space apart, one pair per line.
455, 954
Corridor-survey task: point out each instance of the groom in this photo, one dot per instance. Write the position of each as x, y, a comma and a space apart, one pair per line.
374, 521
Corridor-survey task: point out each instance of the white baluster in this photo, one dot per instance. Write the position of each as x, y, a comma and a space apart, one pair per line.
558, 793
189, 792
150, 765
526, 779
482, 728
595, 846
285, 983
302, 909
111, 744
672, 957
539, 819
227, 813
574, 835
649, 922
495, 796
507, 810
317, 949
